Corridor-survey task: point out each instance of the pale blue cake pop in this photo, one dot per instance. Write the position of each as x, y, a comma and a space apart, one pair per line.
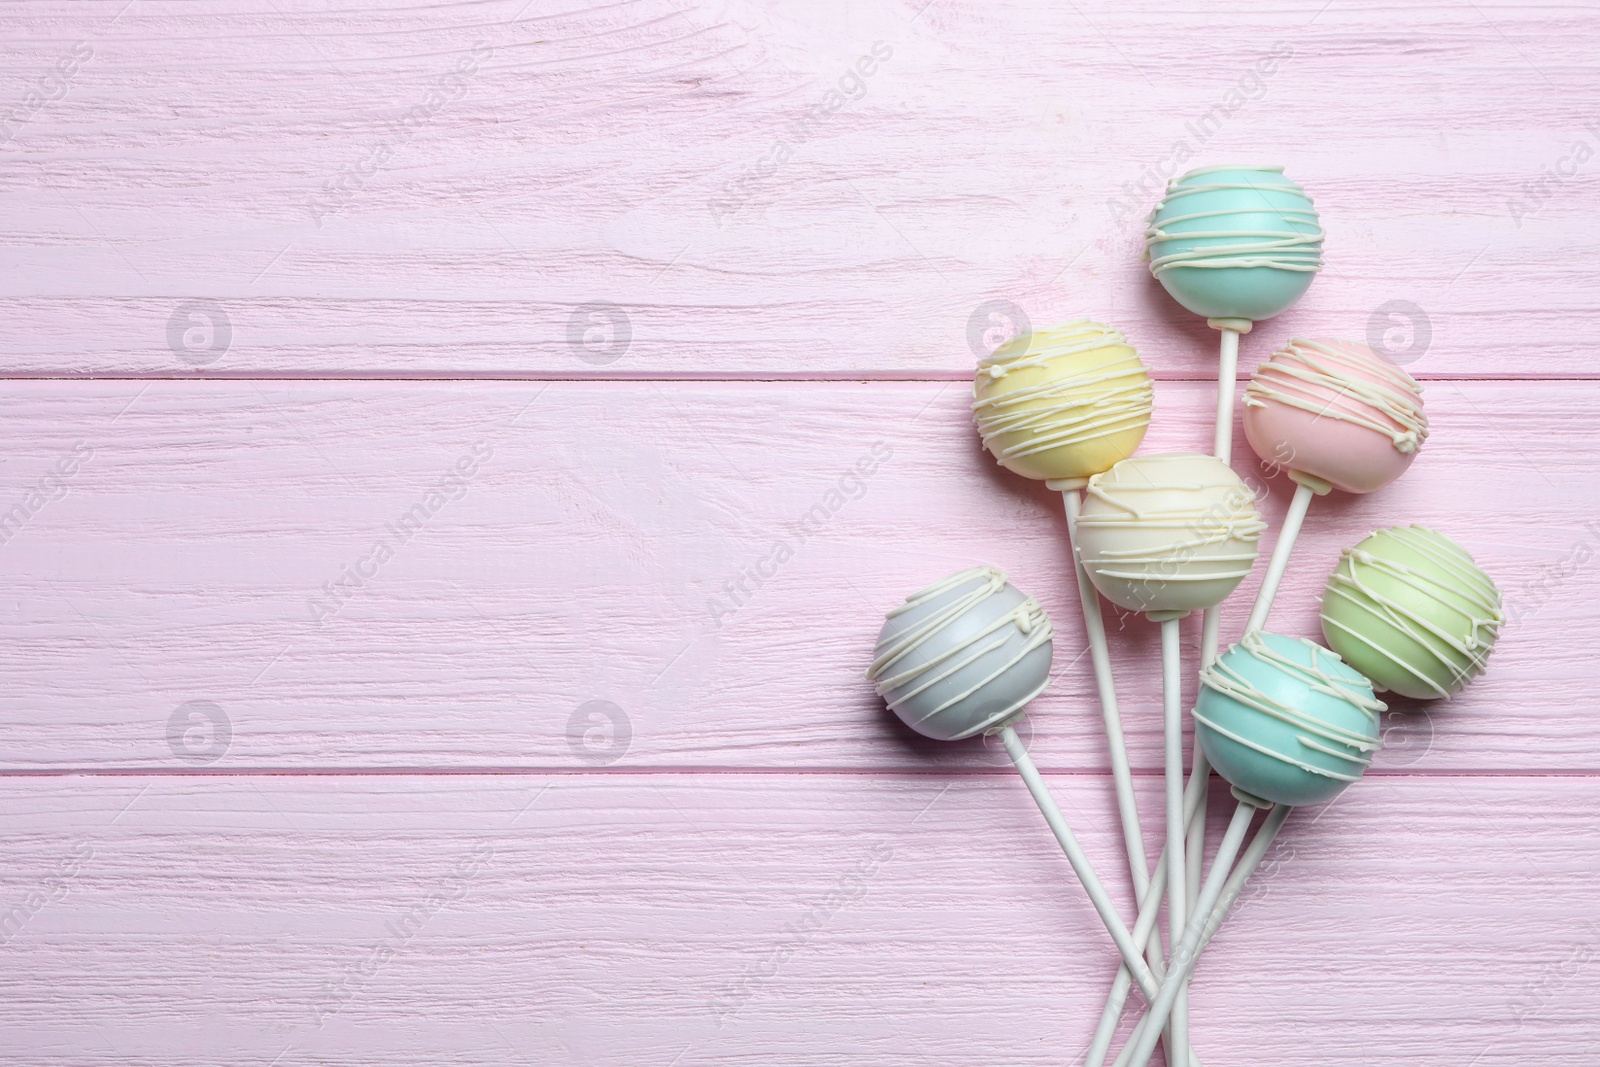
1286, 720
1235, 242
963, 656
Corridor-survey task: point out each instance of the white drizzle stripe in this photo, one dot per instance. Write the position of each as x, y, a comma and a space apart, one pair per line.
1300, 373
1029, 617
1078, 407
1282, 249
1202, 520
1354, 748
951, 664
1458, 583
1281, 757
1384, 653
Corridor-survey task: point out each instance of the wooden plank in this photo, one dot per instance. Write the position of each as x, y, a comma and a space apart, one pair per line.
657, 827
563, 157
607, 541
727, 918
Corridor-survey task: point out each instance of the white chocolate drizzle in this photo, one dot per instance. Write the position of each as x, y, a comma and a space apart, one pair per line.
1285, 249
890, 670
1453, 579
1069, 408
1200, 519
1303, 372
1314, 733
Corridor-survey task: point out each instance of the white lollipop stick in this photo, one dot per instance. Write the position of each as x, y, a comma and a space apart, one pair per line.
1199, 770
1230, 894
1210, 626
1211, 621
1143, 1043
1099, 655
1149, 911
1306, 486
1131, 954
1246, 867
1227, 382
1177, 858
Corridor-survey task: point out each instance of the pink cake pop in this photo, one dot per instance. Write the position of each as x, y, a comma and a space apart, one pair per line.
1336, 410
1336, 415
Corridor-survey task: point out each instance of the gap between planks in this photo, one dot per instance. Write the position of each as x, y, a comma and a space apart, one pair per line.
686, 377
1152, 774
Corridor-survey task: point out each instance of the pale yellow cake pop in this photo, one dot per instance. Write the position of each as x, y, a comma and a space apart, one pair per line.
1063, 403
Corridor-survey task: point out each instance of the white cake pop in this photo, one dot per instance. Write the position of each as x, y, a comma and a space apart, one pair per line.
1168, 533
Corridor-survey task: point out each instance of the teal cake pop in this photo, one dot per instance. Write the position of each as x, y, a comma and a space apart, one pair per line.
1286, 720
1235, 242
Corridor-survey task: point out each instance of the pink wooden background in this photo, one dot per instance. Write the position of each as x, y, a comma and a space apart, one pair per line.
277, 273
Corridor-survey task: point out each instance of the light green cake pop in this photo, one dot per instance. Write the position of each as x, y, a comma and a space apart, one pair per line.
1411, 610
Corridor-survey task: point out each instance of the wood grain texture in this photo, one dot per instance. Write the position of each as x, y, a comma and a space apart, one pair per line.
821, 920
274, 160
579, 767
612, 546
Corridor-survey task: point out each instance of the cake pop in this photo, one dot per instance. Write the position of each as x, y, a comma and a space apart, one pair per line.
965, 656
1167, 535
1061, 405
1286, 722
1337, 415
1236, 244
1411, 610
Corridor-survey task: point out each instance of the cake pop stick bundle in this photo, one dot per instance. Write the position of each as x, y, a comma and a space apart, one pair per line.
1284, 720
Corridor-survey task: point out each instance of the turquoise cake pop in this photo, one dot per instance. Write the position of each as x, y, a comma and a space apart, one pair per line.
1286, 722
1235, 242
